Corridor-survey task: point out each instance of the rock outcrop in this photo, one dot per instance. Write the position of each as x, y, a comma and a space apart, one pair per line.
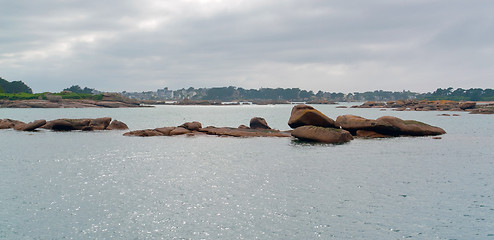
117, 125
244, 132
30, 126
467, 105
425, 105
311, 125
9, 123
258, 123
192, 126
66, 124
386, 126
354, 123
322, 134
303, 115
195, 128
383, 127
409, 127
483, 111
144, 133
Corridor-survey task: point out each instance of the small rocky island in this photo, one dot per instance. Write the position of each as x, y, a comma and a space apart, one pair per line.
65, 124
308, 125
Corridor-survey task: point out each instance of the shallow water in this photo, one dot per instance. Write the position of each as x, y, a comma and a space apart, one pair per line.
103, 185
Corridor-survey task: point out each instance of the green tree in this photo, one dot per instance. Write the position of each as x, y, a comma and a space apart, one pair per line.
78, 89
14, 87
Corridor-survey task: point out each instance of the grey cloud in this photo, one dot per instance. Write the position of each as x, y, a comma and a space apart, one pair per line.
328, 45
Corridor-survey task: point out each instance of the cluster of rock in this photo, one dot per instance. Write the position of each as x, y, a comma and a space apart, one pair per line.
66, 103
257, 128
420, 105
486, 110
65, 124
311, 125
308, 125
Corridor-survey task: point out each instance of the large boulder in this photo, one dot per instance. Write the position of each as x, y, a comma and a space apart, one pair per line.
467, 105
303, 115
409, 127
117, 125
353, 123
30, 126
322, 134
258, 123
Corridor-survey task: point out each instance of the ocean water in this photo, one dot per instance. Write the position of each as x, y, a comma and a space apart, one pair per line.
102, 185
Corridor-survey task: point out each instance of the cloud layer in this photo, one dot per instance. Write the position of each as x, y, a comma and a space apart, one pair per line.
315, 44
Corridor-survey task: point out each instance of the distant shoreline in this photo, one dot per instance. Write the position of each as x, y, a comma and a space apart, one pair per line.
67, 103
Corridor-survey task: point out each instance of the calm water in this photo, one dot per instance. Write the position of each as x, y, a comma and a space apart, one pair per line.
101, 185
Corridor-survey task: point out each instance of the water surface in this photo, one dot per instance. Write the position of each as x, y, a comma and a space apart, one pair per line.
84, 185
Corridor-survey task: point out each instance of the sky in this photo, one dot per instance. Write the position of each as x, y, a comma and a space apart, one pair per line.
329, 45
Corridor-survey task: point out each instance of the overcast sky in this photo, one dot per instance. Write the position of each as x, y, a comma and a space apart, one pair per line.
329, 45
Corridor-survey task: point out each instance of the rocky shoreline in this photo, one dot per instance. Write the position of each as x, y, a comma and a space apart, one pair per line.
424, 105
67, 103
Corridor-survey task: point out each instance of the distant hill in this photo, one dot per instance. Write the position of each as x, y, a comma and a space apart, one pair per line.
14, 87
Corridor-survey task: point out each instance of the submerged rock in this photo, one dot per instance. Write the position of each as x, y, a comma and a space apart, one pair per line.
303, 115
322, 134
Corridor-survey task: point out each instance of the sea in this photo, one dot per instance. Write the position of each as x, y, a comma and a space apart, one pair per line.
103, 185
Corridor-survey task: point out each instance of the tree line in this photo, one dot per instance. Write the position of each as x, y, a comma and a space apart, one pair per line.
14, 87
460, 94
232, 93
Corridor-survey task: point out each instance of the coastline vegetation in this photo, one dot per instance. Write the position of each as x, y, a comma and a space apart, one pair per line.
18, 90
43, 96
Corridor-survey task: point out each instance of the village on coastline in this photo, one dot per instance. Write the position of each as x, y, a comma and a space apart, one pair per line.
17, 94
